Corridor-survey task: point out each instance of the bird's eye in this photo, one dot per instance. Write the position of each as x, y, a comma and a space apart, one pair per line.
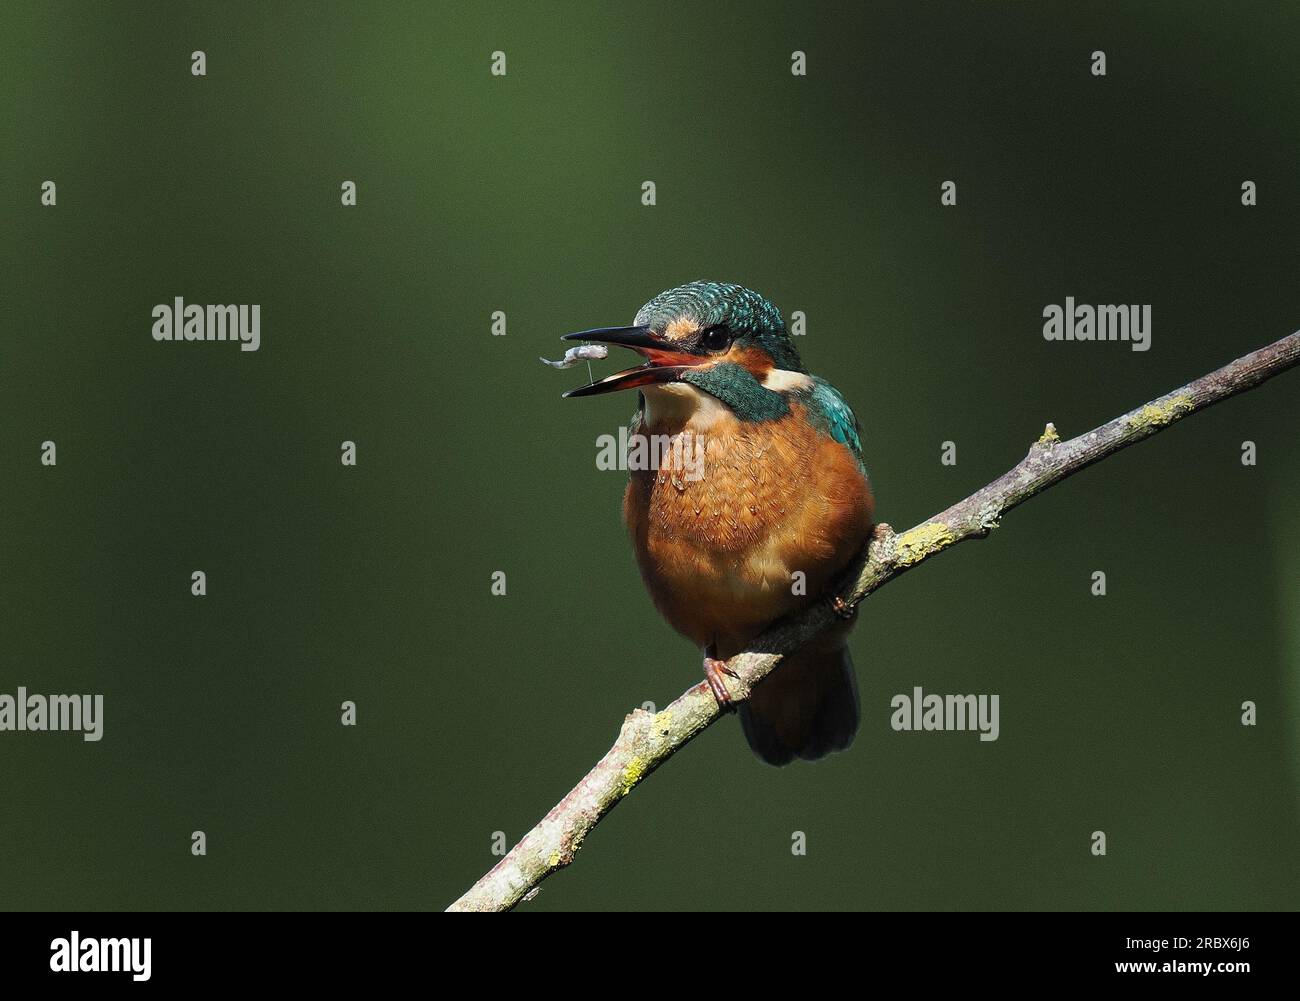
716, 339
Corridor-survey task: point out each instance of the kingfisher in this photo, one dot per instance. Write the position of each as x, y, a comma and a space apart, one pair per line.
778, 507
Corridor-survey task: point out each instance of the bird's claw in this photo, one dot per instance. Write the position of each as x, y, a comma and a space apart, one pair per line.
714, 669
842, 608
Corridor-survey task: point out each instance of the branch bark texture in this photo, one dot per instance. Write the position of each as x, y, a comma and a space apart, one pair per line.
647, 740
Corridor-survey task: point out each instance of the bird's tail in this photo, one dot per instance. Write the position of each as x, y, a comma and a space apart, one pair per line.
806, 708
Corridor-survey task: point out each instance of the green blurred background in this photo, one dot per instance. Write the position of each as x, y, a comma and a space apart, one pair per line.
522, 194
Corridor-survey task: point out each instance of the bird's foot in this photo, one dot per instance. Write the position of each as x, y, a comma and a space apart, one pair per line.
714, 670
842, 608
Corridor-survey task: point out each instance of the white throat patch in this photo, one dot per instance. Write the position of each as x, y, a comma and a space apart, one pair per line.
781, 380
677, 405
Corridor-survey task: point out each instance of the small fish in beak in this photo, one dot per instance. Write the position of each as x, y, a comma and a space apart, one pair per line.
584, 352
665, 361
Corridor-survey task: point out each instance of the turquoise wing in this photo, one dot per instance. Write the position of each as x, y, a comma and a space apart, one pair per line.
836, 416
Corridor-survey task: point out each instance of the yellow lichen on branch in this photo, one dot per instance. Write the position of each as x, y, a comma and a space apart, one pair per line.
633, 773
925, 540
1161, 412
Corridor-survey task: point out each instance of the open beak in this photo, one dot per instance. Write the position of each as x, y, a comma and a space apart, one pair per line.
665, 361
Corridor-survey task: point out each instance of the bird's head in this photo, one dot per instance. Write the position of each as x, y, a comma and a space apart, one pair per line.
712, 338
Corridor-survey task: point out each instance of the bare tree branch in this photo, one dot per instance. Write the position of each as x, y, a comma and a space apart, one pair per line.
647, 740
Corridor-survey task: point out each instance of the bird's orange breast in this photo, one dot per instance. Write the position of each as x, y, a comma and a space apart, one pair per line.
719, 551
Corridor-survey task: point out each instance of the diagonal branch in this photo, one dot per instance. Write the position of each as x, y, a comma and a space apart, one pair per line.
647, 740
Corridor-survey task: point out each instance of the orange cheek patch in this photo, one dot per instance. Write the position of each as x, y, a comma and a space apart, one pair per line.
758, 363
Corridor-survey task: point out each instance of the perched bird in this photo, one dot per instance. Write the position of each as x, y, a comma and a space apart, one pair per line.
781, 491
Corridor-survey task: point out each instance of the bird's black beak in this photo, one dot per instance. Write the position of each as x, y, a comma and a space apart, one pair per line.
665, 361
